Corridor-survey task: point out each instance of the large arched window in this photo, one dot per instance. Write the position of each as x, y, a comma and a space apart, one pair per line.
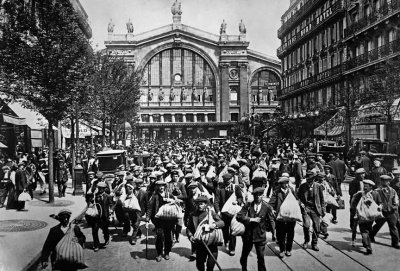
264, 86
178, 76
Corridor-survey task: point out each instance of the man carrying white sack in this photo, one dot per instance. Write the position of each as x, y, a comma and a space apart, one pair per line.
284, 229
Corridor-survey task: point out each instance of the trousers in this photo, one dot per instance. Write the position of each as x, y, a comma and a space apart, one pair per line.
203, 259
391, 219
247, 247
285, 235
226, 231
311, 216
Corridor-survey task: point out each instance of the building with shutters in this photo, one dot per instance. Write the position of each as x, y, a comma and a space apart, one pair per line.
195, 83
328, 45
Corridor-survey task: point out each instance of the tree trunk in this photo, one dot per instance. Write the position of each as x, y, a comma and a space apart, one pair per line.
72, 149
111, 132
51, 162
103, 130
348, 129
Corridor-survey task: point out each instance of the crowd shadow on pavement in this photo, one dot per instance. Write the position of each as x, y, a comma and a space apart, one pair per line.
182, 251
151, 254
345, 246
151, 240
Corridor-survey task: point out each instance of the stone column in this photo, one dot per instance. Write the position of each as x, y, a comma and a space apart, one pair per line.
173, 117
194, 117
224, 97
183, 117
162, 117
244, 90
205, 117
151, 118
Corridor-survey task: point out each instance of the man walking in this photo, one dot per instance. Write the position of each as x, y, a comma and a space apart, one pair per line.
313, 207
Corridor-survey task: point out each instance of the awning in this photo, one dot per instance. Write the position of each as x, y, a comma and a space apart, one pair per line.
333, 127
31, 118
13, 120
375, 113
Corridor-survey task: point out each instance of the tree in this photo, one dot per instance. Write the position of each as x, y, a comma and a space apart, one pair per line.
117, 90
44, 55
384, 89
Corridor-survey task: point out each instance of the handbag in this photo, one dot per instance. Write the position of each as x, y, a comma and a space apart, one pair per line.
92, 209
229, 208
237, 228
69, 252
340, 203
211, 237
24, 196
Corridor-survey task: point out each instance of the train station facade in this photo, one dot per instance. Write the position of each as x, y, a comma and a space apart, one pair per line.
196, 83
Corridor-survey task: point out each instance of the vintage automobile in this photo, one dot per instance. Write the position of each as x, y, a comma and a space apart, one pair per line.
110, 160
375, 148
326, 147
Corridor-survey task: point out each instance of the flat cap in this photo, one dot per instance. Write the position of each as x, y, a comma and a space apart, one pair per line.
227, 176
193, 184
328, 167
285, 174
201, 199
91, 173
120, 173
64, 212
283, 180
100, 174
160, 182
360, 170
101, 185
259, 190
370, 182
189, 176
138, 180
385, 178
5, 168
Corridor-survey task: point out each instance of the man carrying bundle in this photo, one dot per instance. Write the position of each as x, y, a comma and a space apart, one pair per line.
163, 227
197, 219
221, 197
258, 218
284, 228
313, 207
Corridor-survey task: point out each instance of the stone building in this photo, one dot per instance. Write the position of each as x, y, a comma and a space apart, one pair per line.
196, 83
311, 54
326, 46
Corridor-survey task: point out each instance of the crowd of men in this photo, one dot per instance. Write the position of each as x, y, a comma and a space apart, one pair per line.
200, 177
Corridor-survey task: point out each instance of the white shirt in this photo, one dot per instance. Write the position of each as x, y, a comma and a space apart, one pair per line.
257, 207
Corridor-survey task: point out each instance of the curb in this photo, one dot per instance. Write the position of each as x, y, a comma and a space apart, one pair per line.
33, 265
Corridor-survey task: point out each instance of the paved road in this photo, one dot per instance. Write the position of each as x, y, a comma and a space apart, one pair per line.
335, 253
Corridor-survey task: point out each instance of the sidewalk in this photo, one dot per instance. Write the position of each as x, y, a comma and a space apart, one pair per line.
21, 241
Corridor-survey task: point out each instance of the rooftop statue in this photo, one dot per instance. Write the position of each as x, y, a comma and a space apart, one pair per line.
176, 8
111, 26
222, 30
242, 27
129, 26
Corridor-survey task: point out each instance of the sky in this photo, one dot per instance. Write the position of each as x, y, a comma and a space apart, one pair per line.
261, 17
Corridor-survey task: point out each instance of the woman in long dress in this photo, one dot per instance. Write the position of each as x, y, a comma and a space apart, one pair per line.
12, 200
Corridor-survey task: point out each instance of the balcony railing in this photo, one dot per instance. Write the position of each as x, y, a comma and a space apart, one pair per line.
168, 104
311, 80
384, 11
374, 54
295, 17
335, 9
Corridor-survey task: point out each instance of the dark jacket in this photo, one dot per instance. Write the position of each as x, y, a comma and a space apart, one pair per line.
143, 200
222, 195
156, 201
357, 197
319, 203
338, 169
20, 180
389, 200
105, 202
196, 217
278, 197
256, 232
354, 187
55, 236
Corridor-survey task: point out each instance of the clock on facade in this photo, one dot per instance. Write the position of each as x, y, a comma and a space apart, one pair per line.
234, 74
177, 77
